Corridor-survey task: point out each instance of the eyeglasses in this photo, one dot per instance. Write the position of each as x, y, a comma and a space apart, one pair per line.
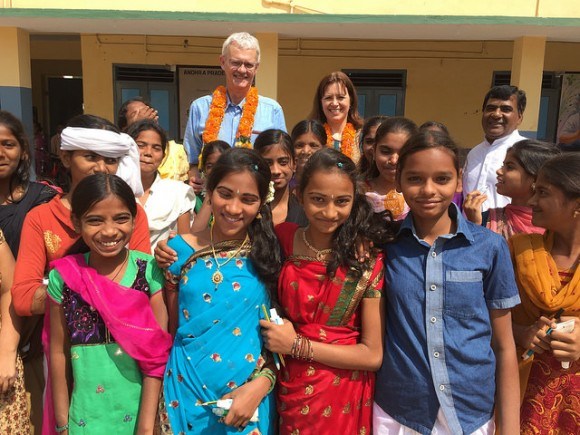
237, 64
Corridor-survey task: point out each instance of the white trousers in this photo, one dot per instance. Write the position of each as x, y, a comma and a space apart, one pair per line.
384, 424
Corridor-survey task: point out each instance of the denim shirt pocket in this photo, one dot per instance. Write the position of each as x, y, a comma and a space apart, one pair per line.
463, 293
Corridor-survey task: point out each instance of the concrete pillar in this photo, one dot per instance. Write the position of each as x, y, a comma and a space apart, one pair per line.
15, 76
527, 71
98, 97
267, 76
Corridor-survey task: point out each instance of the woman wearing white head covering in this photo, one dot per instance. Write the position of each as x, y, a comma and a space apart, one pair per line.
108, 144
91, 144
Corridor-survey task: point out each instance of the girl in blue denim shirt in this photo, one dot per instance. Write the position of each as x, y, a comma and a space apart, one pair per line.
450, 360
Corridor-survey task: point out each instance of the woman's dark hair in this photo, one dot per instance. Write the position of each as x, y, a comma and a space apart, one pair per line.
313, 126
532, 154
93, 189
92, 121
361, 223
563, 171
122, 115
434, 125
265, 253
214, 146
342, 79
364, 165
138, 127
371, 122
21, 176
395, 124
426, 140
270, 137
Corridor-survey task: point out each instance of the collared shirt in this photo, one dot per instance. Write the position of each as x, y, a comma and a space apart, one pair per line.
481, 165
167, 200
437, 342
269, 114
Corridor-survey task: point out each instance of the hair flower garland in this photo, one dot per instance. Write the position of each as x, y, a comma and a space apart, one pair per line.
347, 139
271, 192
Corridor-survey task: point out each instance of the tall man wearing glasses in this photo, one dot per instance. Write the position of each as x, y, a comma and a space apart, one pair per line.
235, 113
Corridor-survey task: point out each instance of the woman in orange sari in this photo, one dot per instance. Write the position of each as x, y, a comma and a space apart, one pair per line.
548, 276
332, 338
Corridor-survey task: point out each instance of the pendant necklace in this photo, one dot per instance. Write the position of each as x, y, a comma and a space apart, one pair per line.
120, 268
319, 254
217, 277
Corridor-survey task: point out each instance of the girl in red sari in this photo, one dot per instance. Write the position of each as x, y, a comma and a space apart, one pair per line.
332, 337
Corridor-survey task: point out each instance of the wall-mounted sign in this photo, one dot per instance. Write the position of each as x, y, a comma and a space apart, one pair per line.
195, 82
569, 117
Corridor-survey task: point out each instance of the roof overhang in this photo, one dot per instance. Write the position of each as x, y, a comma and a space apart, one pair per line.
396, 27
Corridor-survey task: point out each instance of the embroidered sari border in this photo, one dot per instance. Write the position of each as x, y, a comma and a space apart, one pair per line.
226, 245
352, 292
372, 291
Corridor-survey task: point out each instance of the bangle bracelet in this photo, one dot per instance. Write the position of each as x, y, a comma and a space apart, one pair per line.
60, 429
268, 374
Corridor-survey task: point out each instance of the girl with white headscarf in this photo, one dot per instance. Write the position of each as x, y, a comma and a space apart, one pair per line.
90, 144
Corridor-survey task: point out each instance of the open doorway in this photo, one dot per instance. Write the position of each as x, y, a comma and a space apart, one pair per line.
64, 100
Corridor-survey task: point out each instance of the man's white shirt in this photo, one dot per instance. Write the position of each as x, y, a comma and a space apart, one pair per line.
481, 165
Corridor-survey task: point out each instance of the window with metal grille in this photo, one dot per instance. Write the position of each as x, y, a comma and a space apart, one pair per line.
549, 101
549, 79
143, 74
380, 92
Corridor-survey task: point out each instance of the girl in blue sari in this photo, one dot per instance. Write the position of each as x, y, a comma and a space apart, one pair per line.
216, 289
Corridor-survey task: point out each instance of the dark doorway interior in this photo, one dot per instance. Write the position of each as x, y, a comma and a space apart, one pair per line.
65, 100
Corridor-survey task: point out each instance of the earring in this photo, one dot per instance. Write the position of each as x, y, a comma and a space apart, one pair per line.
259, 216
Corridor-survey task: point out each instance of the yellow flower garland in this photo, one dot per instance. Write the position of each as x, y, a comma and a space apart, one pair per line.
217, 110
347, 139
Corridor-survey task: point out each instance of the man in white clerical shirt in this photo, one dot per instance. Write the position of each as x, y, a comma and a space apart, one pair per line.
503, 110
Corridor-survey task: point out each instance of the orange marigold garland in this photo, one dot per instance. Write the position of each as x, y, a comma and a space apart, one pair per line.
217, 109
244, 134
347, 139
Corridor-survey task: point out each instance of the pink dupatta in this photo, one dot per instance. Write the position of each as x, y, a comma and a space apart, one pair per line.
511, 220
126, 313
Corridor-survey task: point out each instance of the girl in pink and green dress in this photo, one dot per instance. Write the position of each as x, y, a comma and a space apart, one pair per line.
106, 342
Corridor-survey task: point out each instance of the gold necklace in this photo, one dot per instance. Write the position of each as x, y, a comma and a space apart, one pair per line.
318, 253
217, 277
